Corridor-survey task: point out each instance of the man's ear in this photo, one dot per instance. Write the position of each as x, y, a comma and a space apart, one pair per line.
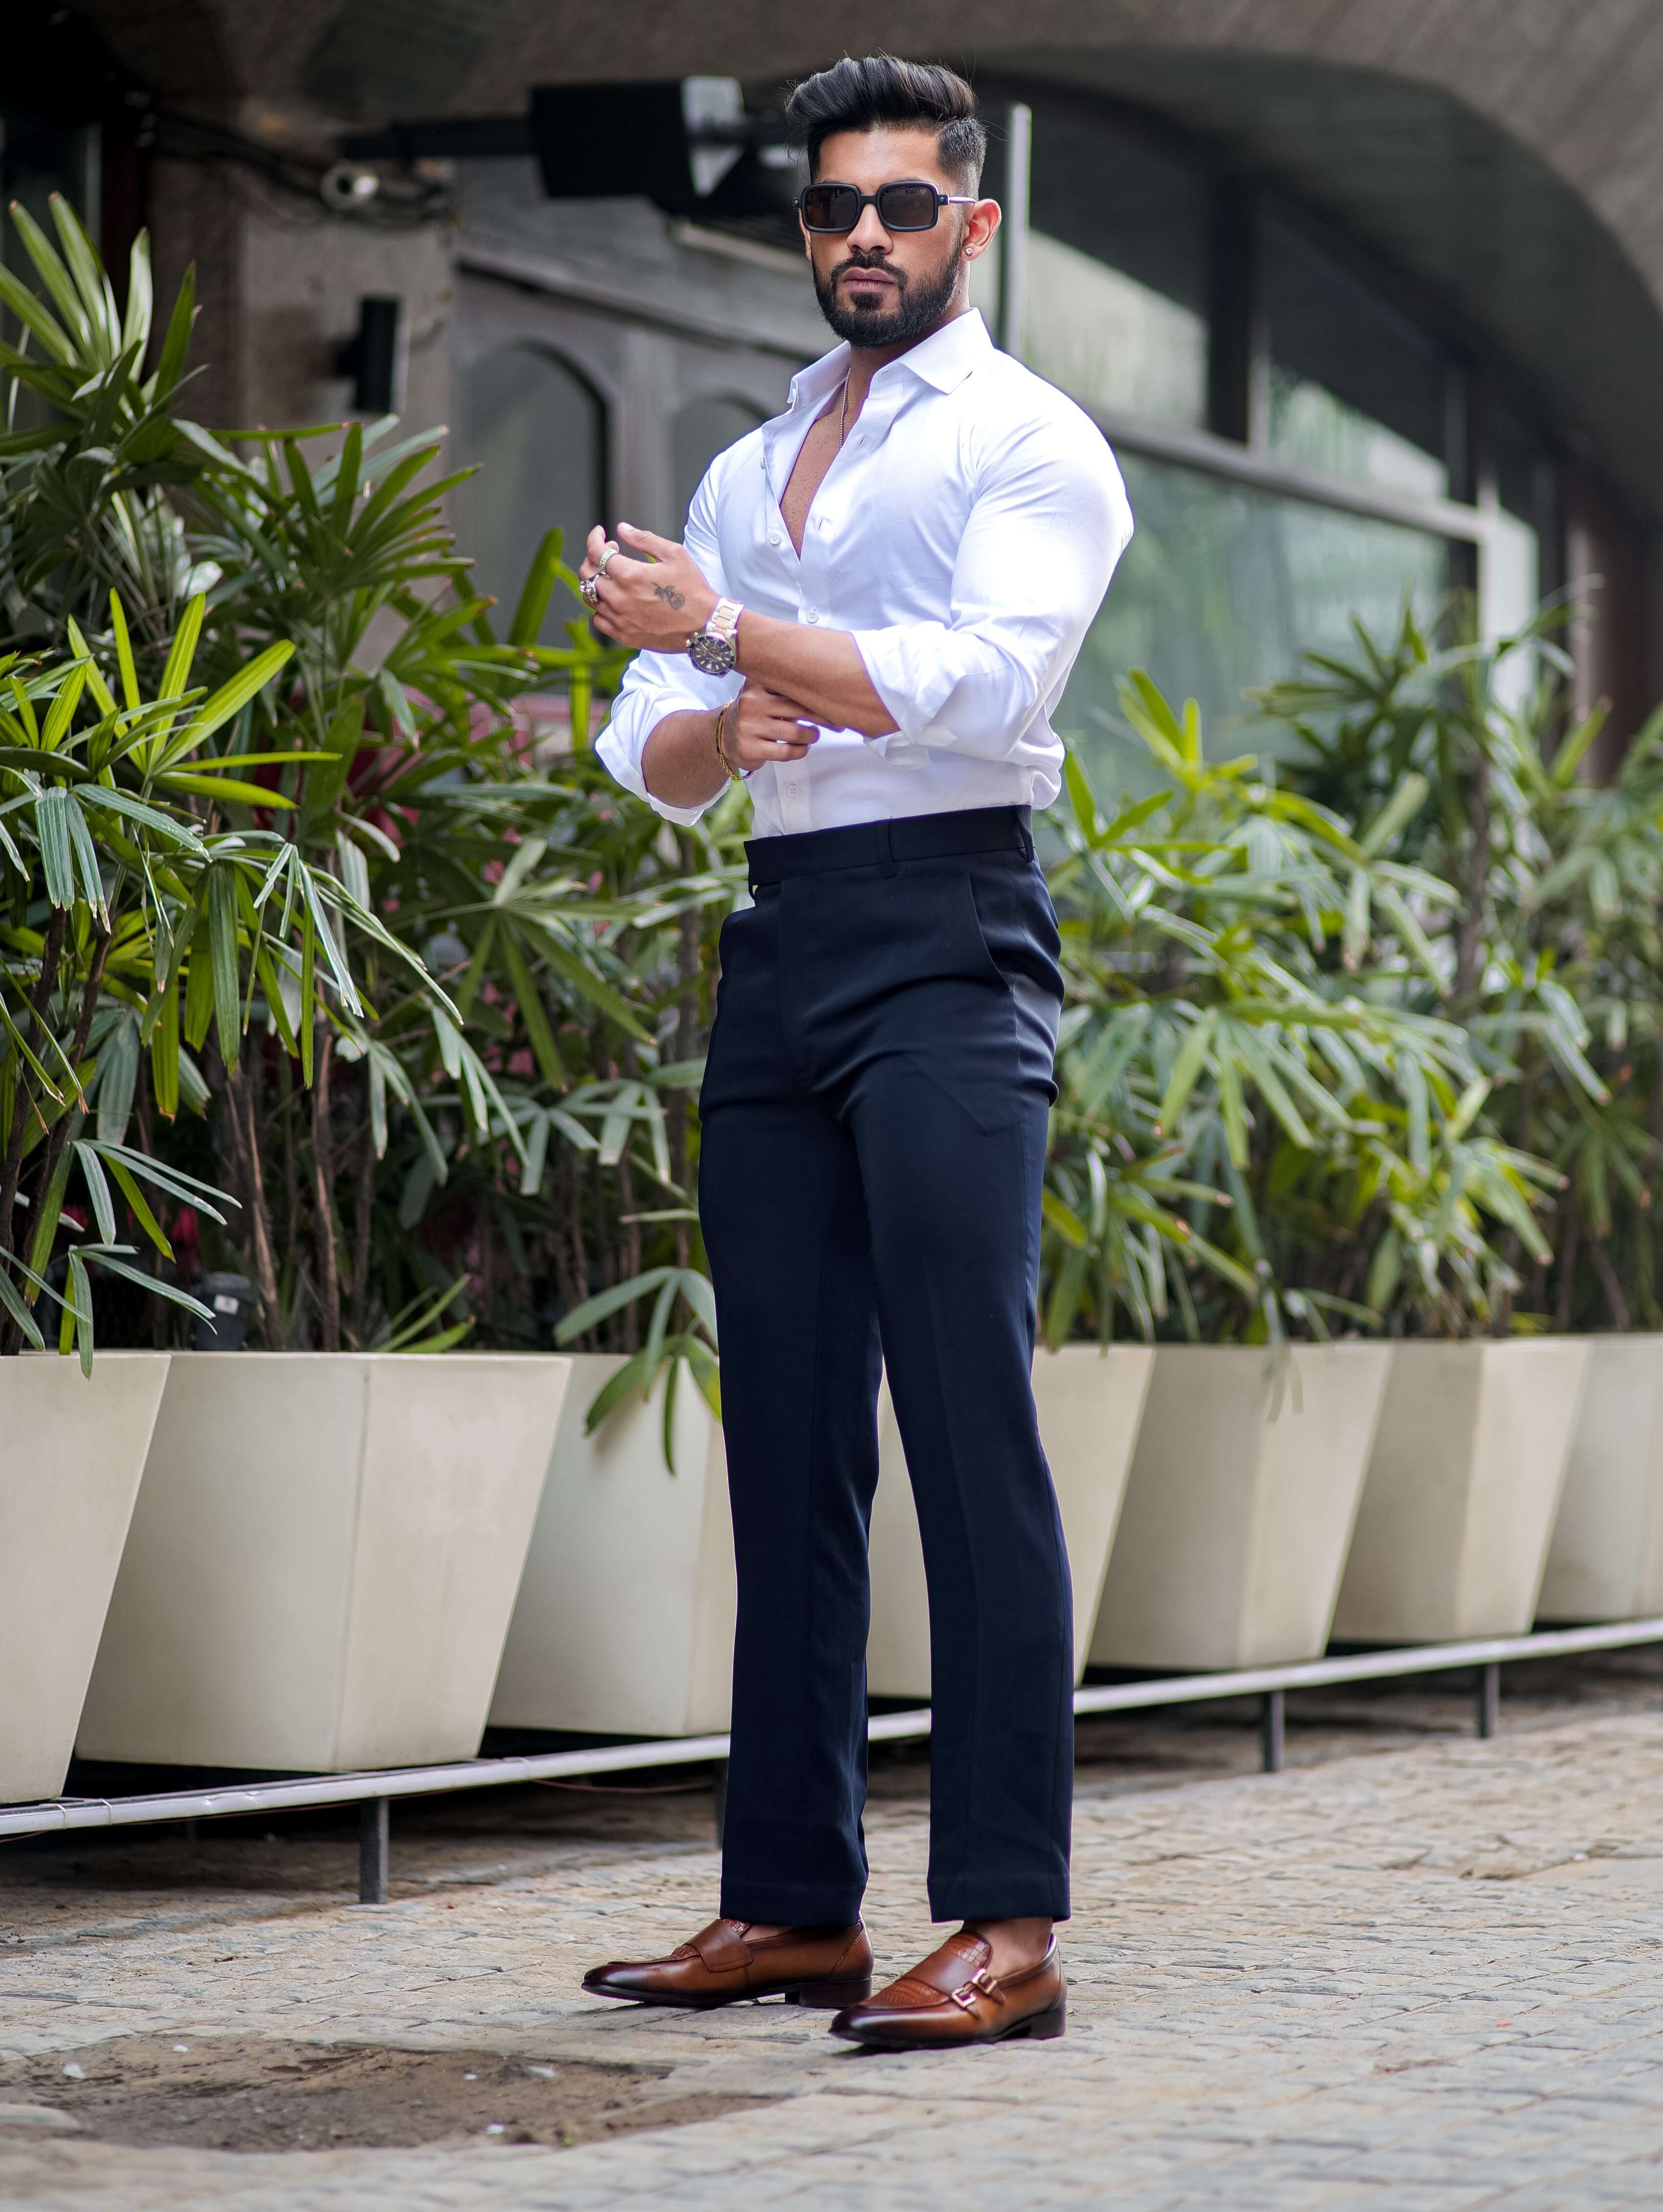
981, 222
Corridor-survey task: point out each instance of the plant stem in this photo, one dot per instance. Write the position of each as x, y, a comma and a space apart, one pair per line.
1511, 1250
577, 1290
1567, 1264
147, 1145
608, 1273
239, 1100
688, 948
487, 1291
630, 1260
1469, 954
23, 1102
323, 1171
363, 1222
291, 1173
59, 1136
1620, 1318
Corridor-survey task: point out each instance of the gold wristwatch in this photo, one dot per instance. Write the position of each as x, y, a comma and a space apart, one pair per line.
713, 649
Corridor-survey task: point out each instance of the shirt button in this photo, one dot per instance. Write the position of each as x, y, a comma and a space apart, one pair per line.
791, 791
773, 538
809, 614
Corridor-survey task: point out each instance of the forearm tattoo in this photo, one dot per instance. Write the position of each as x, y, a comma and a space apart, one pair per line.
669, 595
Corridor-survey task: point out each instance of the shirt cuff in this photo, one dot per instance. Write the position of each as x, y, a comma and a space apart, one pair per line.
912, 689
616, 756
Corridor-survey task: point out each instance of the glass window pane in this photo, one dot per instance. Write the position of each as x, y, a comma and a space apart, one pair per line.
701, 429
1509, 586
1524, 471
1356, 389
1117, 273
1223, 587
538, 434
1510, 565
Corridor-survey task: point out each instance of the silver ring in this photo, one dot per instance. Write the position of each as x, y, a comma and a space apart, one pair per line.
590, 589
608, 552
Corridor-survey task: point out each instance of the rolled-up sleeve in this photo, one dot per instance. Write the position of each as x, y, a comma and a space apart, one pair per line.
657, 684
1049, 522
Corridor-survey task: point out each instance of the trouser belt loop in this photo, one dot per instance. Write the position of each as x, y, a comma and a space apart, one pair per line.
885, 848
1025, 839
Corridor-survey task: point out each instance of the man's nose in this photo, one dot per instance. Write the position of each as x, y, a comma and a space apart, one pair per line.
868, 235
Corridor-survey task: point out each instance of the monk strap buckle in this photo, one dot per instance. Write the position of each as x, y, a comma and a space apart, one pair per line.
980, 1984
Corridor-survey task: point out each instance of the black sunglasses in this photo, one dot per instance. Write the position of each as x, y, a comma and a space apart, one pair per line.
837, 207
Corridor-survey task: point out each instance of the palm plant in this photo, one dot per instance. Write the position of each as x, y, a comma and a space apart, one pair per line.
115, 479
1544, 947
396, 1129
439, 988
116, 902
1258, 1130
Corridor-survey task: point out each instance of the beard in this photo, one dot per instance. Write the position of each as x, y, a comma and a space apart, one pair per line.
921, 303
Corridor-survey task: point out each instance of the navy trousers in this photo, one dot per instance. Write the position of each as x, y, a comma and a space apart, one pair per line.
874, 1123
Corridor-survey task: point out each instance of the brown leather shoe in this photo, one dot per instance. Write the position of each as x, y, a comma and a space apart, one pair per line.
725, 1964
951, 1999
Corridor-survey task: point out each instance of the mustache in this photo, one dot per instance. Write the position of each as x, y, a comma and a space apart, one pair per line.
859, 260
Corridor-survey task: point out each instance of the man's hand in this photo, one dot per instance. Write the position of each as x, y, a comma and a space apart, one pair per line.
656, 599
654, 595
763, 726
679, 765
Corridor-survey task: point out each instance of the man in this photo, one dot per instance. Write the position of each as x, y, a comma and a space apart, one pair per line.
879, 600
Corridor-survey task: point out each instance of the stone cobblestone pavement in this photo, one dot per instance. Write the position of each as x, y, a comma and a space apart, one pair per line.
1422, 1980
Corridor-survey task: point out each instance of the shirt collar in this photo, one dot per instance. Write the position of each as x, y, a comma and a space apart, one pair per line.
944, 359
947, 356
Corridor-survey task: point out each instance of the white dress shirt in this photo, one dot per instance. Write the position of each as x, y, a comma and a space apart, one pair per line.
965, 534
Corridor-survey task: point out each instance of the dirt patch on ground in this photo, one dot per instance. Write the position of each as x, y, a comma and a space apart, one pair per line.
231, 2093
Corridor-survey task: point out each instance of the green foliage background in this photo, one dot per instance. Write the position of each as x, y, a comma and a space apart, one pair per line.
328, 952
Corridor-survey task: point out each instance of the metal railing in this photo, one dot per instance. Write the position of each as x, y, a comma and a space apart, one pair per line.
374, 1790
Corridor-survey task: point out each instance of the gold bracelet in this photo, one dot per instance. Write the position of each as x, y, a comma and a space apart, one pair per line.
734, 775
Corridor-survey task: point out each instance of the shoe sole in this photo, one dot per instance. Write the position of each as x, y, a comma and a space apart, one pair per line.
1039, 2028
816, 1995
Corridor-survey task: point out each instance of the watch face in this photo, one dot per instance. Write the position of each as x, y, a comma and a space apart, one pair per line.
711, 656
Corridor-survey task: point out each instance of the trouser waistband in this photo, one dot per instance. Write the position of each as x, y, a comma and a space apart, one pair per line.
881, 844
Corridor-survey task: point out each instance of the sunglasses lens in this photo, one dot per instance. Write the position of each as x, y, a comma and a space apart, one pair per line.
906, 207
830, 207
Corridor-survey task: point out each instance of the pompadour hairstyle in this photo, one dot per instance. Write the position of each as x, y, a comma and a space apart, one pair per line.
862, 95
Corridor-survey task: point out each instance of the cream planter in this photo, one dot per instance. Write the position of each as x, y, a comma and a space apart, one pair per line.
1605, 1561
1462, 1491
1240, 1507
624, 1621
74, 1452
324, 1560
1089, 1404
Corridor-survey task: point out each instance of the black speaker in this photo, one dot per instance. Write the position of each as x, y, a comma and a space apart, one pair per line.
374, 357
689, 146
607, 140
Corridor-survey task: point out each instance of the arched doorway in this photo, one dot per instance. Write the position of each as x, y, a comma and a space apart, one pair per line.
535, 432
702, 429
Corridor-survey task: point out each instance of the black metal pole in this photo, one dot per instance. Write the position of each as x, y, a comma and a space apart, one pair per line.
374, 1851
1271, 1730
1489, 1700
